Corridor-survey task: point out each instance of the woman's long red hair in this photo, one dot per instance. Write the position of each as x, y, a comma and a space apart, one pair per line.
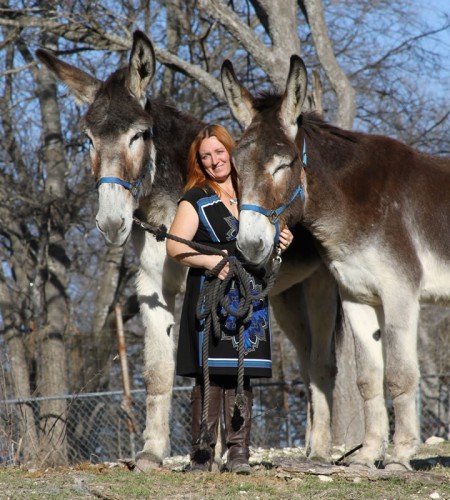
195, 173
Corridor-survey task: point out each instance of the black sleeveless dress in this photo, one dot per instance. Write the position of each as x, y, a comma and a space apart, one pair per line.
218, 228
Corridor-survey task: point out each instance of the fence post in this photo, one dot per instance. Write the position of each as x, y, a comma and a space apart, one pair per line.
286, 388
126, 403
419, 405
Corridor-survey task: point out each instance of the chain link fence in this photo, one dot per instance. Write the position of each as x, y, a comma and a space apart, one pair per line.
98, 431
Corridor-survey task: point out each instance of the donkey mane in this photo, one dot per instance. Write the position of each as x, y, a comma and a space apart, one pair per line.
311, 121
172, 131
337, 148
159, 105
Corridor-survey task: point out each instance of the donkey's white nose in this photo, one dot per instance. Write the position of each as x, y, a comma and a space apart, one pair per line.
255, 238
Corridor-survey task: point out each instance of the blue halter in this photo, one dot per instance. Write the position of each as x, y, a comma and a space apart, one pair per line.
273, 215
131, 186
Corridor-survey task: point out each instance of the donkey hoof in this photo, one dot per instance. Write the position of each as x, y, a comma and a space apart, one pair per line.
398, 466
146, 462
319, 459
359, 461
361, 466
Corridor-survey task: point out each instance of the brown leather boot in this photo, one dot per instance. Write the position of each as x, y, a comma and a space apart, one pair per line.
237, 430
201, 460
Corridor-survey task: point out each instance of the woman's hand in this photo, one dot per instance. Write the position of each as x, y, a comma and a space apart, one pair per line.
286, 238
225, 269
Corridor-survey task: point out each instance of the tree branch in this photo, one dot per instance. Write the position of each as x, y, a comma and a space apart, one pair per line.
102, 40
203, 77
338, 80
399, 48
229, 20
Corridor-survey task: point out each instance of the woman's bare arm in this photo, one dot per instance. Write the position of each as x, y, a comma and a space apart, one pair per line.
185, 225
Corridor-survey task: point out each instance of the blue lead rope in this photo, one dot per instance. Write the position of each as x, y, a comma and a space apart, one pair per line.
273, 215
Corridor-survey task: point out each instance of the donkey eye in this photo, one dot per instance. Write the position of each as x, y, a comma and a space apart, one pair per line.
136, 137
90, 141
286, 164
281, 167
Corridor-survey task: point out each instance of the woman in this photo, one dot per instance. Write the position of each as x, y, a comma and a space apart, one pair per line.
208, 213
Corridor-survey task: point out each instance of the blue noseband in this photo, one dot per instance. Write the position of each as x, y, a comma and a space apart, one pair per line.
133, 187
273, 215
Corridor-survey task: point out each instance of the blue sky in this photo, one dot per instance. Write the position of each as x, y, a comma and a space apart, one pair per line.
437, 13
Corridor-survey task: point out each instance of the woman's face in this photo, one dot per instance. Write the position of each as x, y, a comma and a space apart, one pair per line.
215, 159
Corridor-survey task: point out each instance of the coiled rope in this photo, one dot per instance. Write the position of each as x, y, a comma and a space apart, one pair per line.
214, 294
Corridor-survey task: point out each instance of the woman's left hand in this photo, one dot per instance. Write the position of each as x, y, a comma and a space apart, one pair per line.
286, 238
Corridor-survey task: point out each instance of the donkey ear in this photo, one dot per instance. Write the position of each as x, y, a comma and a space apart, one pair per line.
294, 96
238, 97
141, 68
82, 85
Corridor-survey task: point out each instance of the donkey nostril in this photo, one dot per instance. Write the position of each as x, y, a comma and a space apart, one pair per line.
123, 226
99, 227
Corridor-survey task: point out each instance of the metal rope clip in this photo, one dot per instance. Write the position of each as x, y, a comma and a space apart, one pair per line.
277, 256
273, 217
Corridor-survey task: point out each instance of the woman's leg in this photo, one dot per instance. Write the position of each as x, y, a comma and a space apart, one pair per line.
237, 427
202, 457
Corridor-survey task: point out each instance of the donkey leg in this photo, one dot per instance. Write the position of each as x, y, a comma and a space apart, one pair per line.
402, 376
289, 309
157, 286
293, 312
159, 368
364, 325
322, 300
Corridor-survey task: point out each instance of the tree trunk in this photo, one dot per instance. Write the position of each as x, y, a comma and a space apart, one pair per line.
53, 327
28, 446
104, 342
339, 82
14, 299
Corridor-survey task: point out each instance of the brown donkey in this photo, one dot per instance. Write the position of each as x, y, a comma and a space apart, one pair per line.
380, 215
138, 150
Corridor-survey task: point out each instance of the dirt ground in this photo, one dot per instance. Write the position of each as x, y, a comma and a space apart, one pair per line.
275, 474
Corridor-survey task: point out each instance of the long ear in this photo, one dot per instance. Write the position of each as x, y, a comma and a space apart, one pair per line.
294, 96
238, 97
82, 85
141, 67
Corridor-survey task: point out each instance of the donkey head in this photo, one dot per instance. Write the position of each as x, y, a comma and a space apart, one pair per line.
268, 160
119, 131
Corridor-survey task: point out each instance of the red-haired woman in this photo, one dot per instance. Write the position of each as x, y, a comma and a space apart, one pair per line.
208, 213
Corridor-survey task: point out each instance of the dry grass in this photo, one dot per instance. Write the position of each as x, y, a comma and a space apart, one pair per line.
283, 477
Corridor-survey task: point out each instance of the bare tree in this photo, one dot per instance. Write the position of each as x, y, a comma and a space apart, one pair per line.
39, 212
58, 282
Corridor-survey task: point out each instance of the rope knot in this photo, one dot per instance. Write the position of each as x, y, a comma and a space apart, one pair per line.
161, 233
240, 401
205, 437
